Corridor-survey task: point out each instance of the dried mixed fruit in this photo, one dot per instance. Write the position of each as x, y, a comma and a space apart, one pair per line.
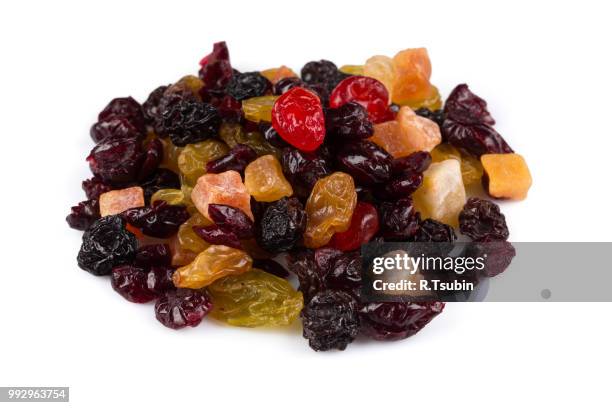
207, 196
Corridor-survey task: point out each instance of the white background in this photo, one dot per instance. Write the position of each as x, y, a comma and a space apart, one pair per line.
545, 71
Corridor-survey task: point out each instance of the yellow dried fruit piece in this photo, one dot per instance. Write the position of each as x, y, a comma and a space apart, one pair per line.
117, 201
192, 160
233, 134
259, 109
352, 69
381, 67
215, 262
171, 196
442, 194
432, 101
189, 240
276, 74
506, 175
191, 82
265, 181
171, 155
329, 208
255, 298
180, 255
471, 169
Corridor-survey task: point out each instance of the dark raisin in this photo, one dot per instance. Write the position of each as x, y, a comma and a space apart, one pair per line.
248, 85
311, 280
282, 225
171, 97
396, 320
366, 162
304, 169
330, 320
416, 162
216, 71
131, 283
153, 155
401, 186
160, 179
151, 106
190, 122
94, 186
83, 215
114, 129
398, 220
483, 221
285, 84
271, 135
106, 244
349, 121
126, 108
345, 273
232, 219
498, 256
153, 255
322, 74
435, 231
216, 235
229, 108
159, 219
182, 307
117, 161
475, 139
463, 106
436, 116
236, 159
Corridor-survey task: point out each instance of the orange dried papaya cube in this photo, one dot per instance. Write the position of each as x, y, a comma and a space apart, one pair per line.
117, 201
506, 175
413, 70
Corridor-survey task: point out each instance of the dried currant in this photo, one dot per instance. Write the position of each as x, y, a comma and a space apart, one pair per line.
302, 264
190, 122
304, 169
158, 220
232, 219
498, 256
282, 225
345, 273
349, 121
236, 159
182, 307
435, 231
483, 221
367, 163
323, 74
114, 129
330, 320
397, 320
248, 85
106, 244
398, 220
84, 214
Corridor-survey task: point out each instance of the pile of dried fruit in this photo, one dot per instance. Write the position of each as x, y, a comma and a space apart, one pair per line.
201, 190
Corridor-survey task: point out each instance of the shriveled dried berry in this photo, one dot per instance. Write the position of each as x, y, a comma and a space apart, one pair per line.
272, 135
344, 273
160, 179
434, 231
190, 122
236, 159
464, 106
435, 116
232, 219
349, 121
397, 320
83, 215
182, 307
216, 235
286, 84
153, 255
114, 129
248, 85
298, 118
366, 162
364, 226
476, 139
216, 71
116, 161
158, 220
302, 264
398, 220
322, 73
483, 221
304, 169
282, 225
401, 186
368, 92
416, 162
153, 156
131, 282
330, 320
94, 186
106, 244
150, 107
126, 108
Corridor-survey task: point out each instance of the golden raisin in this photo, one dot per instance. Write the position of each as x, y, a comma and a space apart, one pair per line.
192, 160
265, 181
259, 109
189, 240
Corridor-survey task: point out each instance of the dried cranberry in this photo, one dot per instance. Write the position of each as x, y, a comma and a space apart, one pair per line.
282, 225
116, 161
435, 231
272, 135
248, 85
483, 221
114, 129
330, 320
106, 244
398, 220
131, 283
236, 159
153, 255
232, 219
396, 320
159, 279
364, 226
94, 186
151, 106
475, 139
345, 273
366, 162
416, 162
349, 121
436, 115
498, 256
285, 84
229, 109
298, 118
190, 122
153, 155
401, 186
368, 92
182, 307
463, 106
216, 71
160, 179
126, 108
216, 235
159, 220
83, 214
304, 169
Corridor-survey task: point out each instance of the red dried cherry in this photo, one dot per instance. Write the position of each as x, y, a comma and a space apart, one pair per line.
368, 92
364, 225
298, 118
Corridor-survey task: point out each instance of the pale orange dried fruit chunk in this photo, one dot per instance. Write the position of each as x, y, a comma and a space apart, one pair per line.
213, 263
117, 201
506, 175
387, 136
265, 181
276, 74
223, 188
381, 68
413, 70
